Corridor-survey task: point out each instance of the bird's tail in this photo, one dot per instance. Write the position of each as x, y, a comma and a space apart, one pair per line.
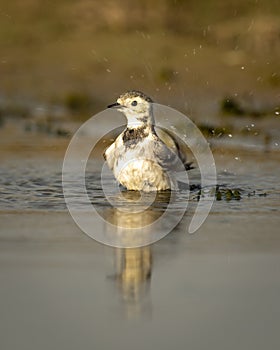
189, 166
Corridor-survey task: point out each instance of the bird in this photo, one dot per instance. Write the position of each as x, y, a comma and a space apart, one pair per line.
143, 157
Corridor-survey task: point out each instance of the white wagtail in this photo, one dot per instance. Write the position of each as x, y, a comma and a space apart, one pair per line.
139, 158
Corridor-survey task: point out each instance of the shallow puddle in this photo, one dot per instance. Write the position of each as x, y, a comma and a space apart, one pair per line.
217, 288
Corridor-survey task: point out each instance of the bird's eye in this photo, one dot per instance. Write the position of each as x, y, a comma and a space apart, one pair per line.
134, 103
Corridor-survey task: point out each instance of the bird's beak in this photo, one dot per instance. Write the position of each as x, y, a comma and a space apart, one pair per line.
114, 105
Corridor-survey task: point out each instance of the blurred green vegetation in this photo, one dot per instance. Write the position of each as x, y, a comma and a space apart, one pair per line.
82, 54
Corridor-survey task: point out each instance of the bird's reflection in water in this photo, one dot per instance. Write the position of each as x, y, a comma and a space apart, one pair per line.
137, 219
133, 266
133, 278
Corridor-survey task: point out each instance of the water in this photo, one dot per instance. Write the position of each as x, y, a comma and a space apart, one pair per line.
216, 289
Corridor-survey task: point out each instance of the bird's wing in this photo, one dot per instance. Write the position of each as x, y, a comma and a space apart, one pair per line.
175, 144
166, 157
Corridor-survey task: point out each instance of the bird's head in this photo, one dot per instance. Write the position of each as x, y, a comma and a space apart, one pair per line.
137, 107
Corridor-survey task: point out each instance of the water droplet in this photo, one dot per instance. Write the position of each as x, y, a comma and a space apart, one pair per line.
242, 67
277, 113
236, 158
229, 135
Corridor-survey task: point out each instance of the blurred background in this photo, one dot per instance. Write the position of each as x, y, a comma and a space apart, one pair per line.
61, 62
69, 59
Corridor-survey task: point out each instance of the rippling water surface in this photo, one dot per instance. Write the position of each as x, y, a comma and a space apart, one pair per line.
215, 289
34, 185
